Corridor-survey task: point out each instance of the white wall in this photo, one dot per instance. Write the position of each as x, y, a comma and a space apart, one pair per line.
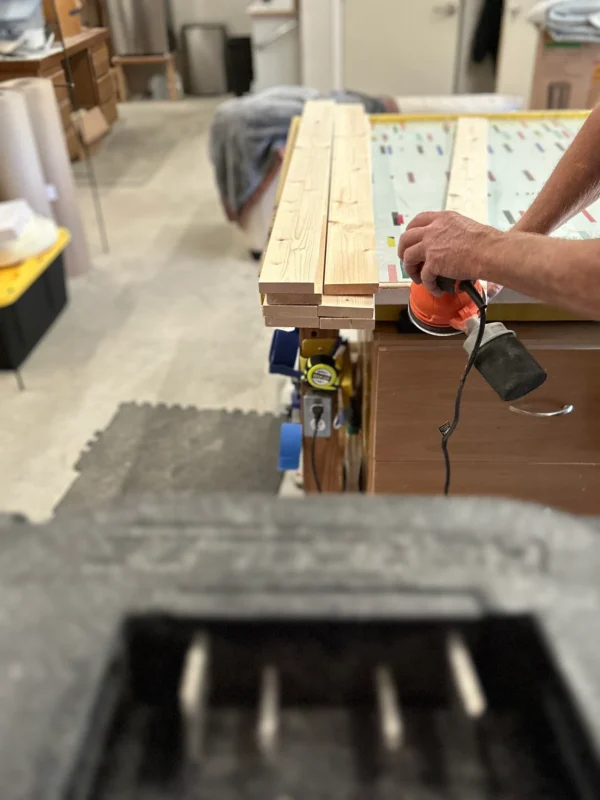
320, 49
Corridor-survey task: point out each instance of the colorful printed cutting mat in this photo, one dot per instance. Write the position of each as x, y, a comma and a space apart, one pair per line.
411, 163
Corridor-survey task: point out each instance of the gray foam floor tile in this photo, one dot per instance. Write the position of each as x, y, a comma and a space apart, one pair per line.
159, 449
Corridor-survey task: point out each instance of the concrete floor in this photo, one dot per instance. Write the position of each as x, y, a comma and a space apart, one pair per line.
170, 314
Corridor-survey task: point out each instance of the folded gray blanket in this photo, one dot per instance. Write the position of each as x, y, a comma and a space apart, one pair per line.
569, 20
248, 133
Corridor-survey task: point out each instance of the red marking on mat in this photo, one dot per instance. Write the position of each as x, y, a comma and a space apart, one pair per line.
491, 177
385, 137
403, 125
430, 137
523, 123
392, 273
521, 213
567, 134
520, 134
411, 177
588, 216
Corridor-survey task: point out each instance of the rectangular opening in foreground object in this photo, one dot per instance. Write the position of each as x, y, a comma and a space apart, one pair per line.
329, 708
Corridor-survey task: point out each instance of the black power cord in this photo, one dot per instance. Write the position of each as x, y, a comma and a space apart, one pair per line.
317, 412
449, 427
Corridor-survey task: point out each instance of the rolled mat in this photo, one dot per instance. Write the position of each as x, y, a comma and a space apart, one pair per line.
52, 148
21, 172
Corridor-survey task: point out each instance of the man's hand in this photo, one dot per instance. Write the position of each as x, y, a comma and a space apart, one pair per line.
444, 243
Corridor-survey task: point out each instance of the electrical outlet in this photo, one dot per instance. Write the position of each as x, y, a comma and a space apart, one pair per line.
325, 423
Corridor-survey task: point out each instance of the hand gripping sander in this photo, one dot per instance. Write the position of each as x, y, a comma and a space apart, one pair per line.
497, 354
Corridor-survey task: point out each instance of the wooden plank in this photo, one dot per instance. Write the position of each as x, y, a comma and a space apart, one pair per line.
282, 312
295, 256
294, 299
468, 183
352, 121
293, 322
356, 306
342, 323
287, 157
351, 263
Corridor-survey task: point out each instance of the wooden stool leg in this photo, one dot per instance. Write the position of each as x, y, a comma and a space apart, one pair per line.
121, 83
172, 79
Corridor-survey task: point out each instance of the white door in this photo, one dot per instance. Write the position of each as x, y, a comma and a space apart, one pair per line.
401, 47
518, 46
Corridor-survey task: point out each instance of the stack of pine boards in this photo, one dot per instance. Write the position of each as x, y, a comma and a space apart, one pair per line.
320, 266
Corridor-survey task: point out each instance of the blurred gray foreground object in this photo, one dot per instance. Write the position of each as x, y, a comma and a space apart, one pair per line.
249, 647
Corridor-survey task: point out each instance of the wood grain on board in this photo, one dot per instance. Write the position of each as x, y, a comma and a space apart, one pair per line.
345, 323
351, 263
295, 256
569, 487
358, 306
283, 312
292, 322
468, 182
294, 299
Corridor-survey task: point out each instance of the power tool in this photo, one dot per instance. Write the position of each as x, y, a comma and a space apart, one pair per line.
492, 349
500, 357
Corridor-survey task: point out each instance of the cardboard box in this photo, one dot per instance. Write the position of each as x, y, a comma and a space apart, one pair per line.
91, 126
565, 75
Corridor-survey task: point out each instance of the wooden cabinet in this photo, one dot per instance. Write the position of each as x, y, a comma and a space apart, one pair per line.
90, 70
495, 450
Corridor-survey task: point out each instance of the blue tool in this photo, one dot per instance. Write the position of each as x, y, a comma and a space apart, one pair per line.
290, 446
284, 353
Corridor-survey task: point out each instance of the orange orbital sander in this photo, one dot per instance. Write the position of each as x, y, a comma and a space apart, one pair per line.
493, 349
446, 315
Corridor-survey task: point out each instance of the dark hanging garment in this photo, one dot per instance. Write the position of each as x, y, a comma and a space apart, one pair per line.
487, 34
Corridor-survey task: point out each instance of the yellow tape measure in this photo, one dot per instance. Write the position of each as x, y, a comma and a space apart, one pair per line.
321, 373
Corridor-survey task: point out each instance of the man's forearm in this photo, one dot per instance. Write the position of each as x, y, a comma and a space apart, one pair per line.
560, 272
574, 184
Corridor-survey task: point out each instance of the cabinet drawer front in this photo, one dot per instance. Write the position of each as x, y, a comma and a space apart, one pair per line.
416, 393
569, 487
100, 61
105, 90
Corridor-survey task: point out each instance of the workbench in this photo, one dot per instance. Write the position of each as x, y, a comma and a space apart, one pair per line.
545, 448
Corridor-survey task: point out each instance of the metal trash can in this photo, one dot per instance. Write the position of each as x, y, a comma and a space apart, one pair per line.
204, 49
